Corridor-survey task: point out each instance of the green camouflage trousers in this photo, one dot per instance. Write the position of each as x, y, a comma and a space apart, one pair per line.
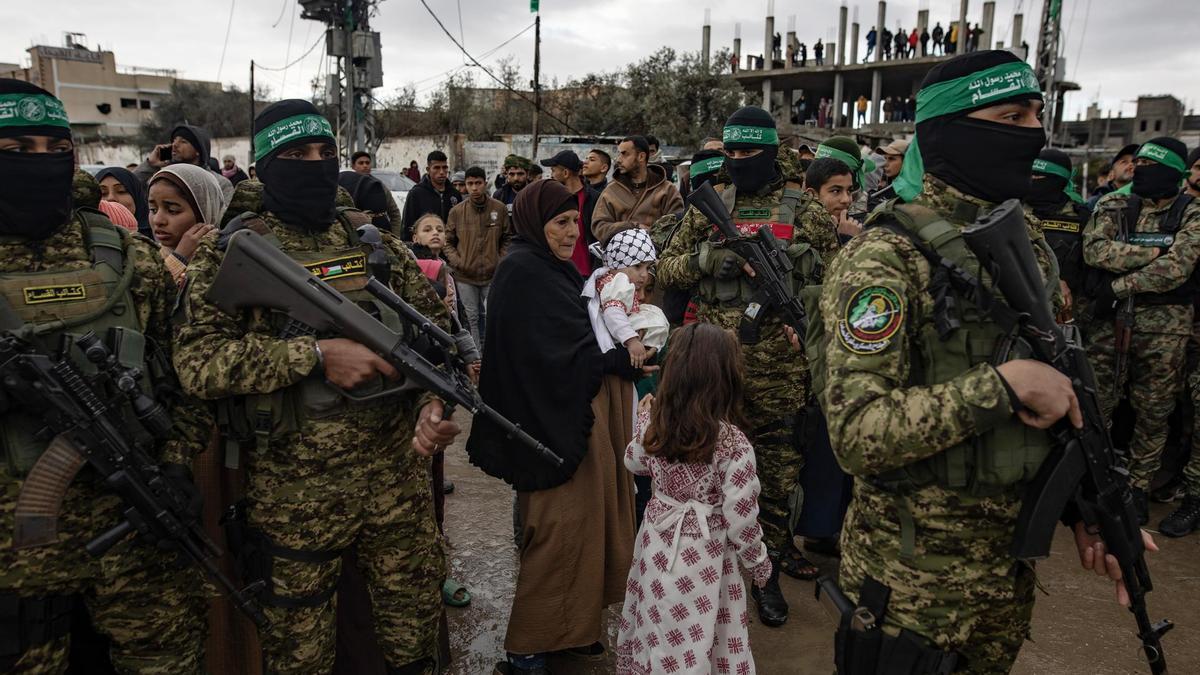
1152, 379
1191, 471
326, 492
136, 595
959, 588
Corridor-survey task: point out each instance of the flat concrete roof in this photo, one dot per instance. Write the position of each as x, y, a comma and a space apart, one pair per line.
901, 77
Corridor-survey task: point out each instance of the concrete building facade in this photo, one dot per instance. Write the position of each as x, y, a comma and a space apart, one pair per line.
102, 99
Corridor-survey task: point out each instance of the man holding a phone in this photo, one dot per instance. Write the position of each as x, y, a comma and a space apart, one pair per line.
189, 145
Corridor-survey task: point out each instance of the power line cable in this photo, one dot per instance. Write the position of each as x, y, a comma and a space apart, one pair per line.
492, 75
288, 54
228, 27
484, 55
320, 39
282, 9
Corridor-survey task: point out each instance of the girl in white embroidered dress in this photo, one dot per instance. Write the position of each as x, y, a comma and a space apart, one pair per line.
685, 601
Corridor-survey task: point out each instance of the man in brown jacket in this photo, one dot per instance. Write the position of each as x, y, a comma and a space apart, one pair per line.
639, 195
477, 232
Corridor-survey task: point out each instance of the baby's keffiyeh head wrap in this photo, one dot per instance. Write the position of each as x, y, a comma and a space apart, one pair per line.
628, 248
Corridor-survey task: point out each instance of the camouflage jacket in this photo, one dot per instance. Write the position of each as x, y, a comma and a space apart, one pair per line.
153, 291
1144, 269
777, 377
879, 422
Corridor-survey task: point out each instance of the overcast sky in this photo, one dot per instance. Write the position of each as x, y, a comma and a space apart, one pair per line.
1115, 49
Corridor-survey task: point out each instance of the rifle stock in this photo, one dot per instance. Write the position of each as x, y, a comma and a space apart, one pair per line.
1087, 468
255, 273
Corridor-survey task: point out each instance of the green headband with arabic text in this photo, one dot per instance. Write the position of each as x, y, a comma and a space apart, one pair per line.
737, 133
858, 165
289, 129
1051, 169
980, 89
705, 166
32, 110
1163, 156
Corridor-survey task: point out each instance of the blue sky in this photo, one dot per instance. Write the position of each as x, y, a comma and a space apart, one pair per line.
1127, 48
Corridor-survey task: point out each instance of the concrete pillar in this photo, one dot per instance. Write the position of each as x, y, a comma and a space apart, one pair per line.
766, 88
769, 43
876, 96
791, 40
706, 37
961, 47
843, 15
831, 53
854, 42
922, 24
989, 14
838, 95
1018, 28
880, 22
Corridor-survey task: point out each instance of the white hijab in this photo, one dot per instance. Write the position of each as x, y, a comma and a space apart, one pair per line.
205, 191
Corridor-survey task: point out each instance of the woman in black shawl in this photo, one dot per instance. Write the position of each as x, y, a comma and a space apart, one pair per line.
118, 184
369, 195
544, 371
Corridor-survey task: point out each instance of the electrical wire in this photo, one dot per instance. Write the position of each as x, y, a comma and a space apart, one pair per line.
228, 27
492, 75
1082, 38
288, 54
484, 55
320, 39
282, 9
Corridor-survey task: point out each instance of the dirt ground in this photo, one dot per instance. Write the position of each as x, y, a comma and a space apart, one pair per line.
1077, 627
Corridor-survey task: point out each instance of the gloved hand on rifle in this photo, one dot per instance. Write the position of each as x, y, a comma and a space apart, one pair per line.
717, 261
179, 476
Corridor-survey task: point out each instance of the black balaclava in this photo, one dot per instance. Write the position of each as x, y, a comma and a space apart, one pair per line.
988, 160
1048, 193
1161, 179
1192, 158
704, 168
301, 193
752, 128
35, 188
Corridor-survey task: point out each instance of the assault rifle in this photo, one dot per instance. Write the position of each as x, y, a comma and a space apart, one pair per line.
1084, 467
86, 424
771, 265
255, 273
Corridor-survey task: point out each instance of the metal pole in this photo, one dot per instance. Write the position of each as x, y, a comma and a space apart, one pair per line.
537, 89
251, 134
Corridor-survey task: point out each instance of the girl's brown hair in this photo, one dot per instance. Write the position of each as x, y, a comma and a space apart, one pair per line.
701, 387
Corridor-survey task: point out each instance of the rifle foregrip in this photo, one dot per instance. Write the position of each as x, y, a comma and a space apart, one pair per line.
35, 518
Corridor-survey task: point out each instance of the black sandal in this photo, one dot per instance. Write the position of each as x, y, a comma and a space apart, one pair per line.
795, 565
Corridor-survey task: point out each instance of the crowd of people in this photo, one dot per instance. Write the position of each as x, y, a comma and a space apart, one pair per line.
705, 444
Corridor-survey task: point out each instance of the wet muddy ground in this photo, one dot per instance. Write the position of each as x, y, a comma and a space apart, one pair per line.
1077, 628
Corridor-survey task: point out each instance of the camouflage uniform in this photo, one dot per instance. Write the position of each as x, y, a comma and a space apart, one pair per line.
1157, 353
942, 551
347, 478
136, 594
777, 384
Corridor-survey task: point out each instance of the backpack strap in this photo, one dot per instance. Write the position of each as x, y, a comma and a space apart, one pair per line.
1173, 219
790, 204
247, 220
351, 219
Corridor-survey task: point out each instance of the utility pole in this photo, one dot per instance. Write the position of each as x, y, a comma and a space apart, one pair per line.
537, 86
251, 159
1047, 66
349, 39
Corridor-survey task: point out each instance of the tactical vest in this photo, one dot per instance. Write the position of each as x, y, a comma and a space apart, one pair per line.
58, 305
1064, 233
256, 418
780, 217
959, 337
1163, 239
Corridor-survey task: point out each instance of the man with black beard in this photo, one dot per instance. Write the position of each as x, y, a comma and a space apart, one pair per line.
914, 413
766, 191
135, 594
1148, 241
1059, 209
323, 475
1193, 178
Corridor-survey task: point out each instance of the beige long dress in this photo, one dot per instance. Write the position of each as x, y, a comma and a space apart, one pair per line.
577, 538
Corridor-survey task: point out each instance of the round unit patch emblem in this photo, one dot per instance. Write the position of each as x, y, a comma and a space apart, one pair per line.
32, 109
871, 318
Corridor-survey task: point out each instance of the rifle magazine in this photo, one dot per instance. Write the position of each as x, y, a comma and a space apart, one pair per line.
35, 518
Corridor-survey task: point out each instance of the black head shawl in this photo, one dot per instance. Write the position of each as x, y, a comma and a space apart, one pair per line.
137, 190
546, 366
369, 194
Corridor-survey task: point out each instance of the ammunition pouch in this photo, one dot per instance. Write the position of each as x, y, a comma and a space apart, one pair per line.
255, 554
861, 647
27, 622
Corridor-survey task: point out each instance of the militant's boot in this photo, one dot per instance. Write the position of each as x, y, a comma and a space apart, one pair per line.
772, 606
1183, 520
